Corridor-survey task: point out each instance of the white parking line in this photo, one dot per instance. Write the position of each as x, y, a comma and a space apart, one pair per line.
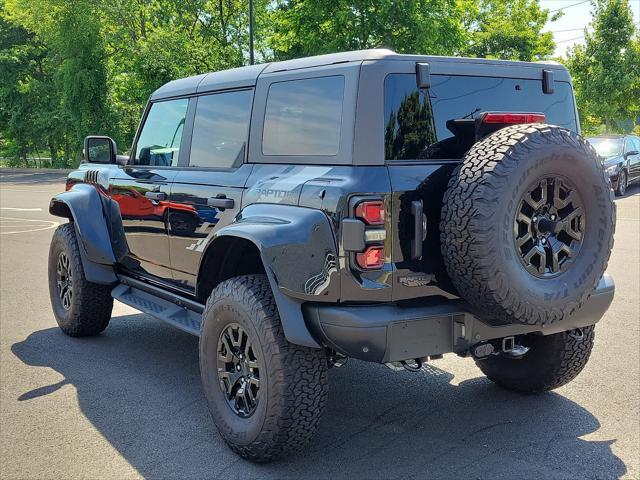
33, 226
21, 209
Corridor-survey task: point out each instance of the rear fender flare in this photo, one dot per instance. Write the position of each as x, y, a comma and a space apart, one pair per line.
298, 250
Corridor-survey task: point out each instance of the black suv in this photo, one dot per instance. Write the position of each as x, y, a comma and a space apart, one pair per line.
385, 207
621, 157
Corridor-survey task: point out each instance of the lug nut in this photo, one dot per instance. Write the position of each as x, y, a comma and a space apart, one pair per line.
535, 219
544, 240
553, 216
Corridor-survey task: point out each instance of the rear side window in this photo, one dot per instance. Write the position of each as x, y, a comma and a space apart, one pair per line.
304, 117
161, 135
220, 129
418, 127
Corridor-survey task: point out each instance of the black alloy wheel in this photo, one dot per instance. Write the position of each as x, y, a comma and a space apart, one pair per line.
64, 280
238, 370
549, 226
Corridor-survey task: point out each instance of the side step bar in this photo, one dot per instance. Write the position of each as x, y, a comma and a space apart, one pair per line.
180, 312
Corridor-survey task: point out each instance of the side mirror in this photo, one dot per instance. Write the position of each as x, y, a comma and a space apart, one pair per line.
631, 153
99, 149
423, 75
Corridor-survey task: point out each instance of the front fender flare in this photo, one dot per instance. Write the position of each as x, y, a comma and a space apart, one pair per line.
83, 205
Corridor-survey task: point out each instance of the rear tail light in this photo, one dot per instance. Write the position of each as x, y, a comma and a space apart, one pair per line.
371, 258
372, 212
512, 118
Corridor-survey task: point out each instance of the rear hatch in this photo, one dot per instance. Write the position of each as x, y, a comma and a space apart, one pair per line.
427, 132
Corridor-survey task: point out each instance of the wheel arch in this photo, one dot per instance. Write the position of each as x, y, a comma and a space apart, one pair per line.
293, 246
80, 205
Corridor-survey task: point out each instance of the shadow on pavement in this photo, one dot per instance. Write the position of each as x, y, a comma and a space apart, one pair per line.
139, 384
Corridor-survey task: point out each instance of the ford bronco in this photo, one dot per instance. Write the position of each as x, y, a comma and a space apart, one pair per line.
389, 208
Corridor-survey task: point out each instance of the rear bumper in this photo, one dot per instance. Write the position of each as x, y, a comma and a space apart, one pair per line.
390, 332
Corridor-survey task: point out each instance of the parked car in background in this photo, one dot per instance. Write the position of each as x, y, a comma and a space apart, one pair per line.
621, 157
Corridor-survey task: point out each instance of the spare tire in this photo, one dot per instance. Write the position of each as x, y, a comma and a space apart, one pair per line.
527, 224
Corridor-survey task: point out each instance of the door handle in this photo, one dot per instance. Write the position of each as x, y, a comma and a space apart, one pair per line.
417, 210
158, 196
221, 202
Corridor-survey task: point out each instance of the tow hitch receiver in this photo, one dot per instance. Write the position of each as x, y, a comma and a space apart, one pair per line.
493, 347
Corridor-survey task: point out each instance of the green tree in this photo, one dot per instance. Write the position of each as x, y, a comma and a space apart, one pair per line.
75, 55
29, 115
310, 27
506, 29
149, 43
606, 70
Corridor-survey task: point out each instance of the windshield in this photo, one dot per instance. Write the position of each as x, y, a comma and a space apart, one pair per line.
607, 147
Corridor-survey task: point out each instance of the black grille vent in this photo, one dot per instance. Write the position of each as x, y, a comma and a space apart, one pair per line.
92, 176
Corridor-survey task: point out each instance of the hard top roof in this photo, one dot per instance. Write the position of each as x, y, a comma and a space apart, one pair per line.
247, 76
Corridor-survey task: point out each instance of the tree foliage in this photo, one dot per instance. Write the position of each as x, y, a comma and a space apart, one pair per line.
68, 69
606, 70
507, 29
309, 27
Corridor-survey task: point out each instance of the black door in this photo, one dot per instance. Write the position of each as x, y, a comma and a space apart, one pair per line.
142, 189
207, 193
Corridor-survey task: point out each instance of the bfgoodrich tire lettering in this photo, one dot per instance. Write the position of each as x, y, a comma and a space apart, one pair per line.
477, 226
87, 310
293, 379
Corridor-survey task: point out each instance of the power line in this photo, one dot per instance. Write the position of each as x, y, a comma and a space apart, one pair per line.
569, 6
567, 30
570, 39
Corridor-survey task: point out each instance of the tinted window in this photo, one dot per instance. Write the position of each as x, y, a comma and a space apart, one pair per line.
303, 117
636, 146
220, 129
408, 118
159, 141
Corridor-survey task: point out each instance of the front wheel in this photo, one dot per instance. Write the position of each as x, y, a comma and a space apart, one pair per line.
81, 308
550, 362
622, 184
265, 394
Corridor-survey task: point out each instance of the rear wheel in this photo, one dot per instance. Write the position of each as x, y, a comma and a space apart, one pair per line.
81, 308
265, 394
550, 361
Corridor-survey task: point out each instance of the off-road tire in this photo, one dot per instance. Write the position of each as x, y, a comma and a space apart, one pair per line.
551, 362
91, 303
293, 379
621, 189
477, 224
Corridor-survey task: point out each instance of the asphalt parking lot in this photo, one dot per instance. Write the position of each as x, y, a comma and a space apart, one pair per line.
128, 404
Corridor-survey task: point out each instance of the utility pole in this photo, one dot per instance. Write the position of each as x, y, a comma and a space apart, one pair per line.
251, 59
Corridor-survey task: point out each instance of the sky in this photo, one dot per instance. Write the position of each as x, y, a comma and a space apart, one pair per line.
569, 29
